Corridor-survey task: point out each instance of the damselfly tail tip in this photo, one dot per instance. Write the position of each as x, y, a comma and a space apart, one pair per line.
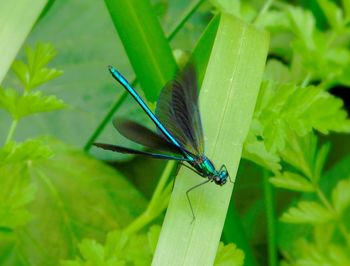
110, 68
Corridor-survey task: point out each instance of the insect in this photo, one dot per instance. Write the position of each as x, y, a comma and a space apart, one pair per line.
179, 126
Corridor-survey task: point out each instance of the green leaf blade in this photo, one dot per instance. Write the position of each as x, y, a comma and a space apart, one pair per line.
16, 20
143, 38
231, 82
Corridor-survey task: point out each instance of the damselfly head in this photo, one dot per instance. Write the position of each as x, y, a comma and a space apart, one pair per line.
220, 178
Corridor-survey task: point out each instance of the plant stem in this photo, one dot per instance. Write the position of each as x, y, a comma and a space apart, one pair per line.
270, 218
159, 191
188, 13
234, 232
306, 80
323, 199
11, 131
157, 204
106, 119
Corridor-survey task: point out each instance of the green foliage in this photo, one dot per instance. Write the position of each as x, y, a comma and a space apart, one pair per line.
122, 248
58, 204
29, 150
308, 162
119, 249
39, 189
307, 212
286, 109
292, 181
26, 104
229, 255
34, 73
15, 158
16, 192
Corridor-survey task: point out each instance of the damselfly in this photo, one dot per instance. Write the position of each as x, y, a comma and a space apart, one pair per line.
179, 126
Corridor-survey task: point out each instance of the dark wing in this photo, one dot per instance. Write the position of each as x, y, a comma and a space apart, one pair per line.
177, 108
120, 149
142, 135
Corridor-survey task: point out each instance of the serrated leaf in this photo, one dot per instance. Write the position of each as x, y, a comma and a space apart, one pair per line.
40, 56
278, 72
255, 151
92, 252
333, 13
311, 107
308, 253
229, 255
285, 108
292, 181
300, 153
14, 152
35, 73
29, 103
302, 24
341, 196
307, 212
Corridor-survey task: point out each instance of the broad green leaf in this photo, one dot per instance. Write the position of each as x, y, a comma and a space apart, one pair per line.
16, 20
77, 197
229, 255
292, 181
307, 212
232, 79
20, 106
23, 152
16, 192
341, 196
147, 41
